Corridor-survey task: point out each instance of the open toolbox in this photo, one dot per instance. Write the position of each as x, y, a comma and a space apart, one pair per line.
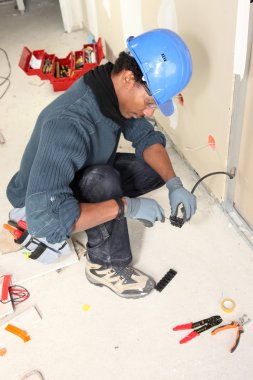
61, 72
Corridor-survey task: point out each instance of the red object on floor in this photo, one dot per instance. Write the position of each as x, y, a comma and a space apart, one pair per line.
5, 287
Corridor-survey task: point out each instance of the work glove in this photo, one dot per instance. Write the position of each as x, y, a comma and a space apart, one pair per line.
146, 210
178, 194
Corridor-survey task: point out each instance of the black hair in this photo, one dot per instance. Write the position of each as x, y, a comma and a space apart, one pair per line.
127, 62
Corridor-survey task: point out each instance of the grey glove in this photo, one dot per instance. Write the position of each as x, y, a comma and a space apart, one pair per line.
145, 210
178, 194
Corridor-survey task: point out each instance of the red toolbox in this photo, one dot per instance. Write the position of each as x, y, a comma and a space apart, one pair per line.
61, 72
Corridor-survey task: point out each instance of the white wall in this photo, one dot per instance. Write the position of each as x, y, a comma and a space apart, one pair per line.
72, 14
208, 27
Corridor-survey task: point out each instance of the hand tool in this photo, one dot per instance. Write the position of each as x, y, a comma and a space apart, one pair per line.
47, 66
79, 62
204, 324
57, 69
234, 324
16, 232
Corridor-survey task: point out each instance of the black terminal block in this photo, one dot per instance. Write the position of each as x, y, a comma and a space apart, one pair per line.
179, 217
165, 280
176, 221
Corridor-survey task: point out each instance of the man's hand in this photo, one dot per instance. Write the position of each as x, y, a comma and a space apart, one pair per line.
178, 194
145, 210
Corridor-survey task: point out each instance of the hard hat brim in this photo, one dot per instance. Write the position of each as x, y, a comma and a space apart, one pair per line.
167, 108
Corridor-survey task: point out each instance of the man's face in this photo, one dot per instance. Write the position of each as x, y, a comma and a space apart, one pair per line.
134, 101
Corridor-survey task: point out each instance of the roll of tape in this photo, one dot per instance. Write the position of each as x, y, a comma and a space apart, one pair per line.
228, 305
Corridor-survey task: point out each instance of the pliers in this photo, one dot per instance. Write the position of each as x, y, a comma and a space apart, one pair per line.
204, 323
234, 324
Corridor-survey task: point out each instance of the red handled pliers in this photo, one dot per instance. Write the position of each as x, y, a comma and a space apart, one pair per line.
203, 325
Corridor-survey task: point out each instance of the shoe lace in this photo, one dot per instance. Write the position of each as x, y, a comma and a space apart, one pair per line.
124, 272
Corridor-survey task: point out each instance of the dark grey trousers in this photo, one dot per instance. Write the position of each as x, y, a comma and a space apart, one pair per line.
108, 243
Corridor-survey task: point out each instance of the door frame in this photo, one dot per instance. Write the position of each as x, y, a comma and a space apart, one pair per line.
237, 119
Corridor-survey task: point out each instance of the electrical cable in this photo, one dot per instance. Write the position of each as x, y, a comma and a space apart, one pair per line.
208, 175
6, 79
18, 294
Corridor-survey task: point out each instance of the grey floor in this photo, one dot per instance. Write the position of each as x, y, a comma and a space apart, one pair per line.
118, 338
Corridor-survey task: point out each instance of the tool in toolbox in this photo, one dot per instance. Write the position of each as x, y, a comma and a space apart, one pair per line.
47, 66
234, 324
203, 325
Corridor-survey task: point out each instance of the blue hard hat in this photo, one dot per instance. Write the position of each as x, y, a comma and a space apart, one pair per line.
165, 62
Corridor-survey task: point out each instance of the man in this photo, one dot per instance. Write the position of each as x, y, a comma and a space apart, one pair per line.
72, 179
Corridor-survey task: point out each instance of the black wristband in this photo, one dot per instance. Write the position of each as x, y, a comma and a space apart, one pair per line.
121, 209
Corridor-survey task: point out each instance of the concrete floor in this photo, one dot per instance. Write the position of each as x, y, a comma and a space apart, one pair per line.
118, 338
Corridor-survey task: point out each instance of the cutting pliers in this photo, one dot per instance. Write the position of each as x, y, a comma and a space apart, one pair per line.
203, 325
234, 324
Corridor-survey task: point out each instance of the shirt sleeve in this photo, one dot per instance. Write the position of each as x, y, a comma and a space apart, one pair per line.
142, 134
51, 209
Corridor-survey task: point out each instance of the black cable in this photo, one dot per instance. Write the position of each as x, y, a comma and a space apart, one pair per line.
208, 175
6, 79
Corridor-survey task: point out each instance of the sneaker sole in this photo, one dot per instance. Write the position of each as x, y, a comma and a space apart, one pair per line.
94, 282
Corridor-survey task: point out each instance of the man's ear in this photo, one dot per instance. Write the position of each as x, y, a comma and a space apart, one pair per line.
128, 78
